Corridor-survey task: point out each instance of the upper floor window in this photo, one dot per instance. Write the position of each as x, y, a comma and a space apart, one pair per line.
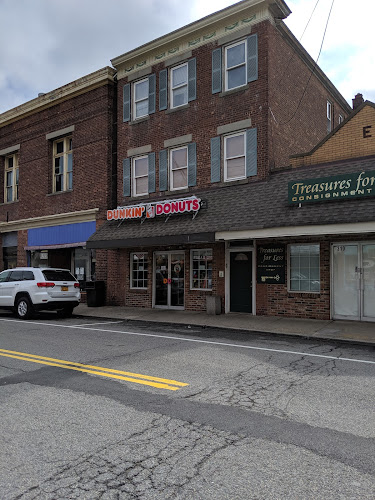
62, 165
179, 85
140, 175
235, 65
140, 98
329, 116
234, 157
11, 178
178, 174
341, 119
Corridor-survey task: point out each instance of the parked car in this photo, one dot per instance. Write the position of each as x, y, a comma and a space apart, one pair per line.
28, 289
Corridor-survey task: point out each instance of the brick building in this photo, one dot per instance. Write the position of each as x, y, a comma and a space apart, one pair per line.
208, 117
56, 160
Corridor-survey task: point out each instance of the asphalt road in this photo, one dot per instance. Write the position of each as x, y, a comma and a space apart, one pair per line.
123, 410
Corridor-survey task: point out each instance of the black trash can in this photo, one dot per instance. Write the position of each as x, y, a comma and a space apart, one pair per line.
95, 293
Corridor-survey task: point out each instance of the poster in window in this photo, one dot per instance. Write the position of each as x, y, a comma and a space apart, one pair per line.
271, 260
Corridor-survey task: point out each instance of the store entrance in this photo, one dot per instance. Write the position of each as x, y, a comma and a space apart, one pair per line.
169, 280
353, 281
241, 282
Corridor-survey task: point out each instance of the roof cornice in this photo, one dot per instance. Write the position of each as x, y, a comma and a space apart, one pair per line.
82, 85
276, 8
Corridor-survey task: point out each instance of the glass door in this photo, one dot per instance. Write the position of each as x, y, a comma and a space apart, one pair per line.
169, 280
353, 280
368, 282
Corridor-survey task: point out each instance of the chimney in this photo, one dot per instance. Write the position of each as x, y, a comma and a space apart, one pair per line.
357, 101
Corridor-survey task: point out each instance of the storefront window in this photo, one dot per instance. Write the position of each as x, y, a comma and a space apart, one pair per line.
138, 270
84, 264
304, 268
201, 269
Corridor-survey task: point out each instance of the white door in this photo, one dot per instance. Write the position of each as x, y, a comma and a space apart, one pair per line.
169, 280
353, 291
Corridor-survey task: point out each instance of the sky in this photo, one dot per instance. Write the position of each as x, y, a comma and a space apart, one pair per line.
45, 44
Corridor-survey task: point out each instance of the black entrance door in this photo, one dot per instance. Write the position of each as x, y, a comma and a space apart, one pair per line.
240, 282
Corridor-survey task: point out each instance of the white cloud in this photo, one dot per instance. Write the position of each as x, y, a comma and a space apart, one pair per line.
47, 43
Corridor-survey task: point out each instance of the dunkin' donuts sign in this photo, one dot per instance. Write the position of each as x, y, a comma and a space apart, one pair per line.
150, 210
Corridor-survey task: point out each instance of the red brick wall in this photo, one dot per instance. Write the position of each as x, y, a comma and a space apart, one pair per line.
295, 127
91, 114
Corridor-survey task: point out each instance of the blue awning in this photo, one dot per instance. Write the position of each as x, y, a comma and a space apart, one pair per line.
64, 235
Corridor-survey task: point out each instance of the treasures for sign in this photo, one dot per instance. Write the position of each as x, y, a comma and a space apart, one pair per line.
338, 187
150, 210
271, 264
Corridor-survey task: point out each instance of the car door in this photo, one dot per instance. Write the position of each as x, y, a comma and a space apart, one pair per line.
12, 286
4, 287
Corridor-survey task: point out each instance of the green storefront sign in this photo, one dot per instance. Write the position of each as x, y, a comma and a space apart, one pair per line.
338, 187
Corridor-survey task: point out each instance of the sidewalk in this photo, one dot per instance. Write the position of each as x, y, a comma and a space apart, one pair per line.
352, 331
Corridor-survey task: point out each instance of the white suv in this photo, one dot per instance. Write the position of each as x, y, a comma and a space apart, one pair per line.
29, 289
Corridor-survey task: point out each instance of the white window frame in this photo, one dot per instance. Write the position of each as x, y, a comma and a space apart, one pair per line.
202, 251
240, 42
14, 169
290, 290
226, 179
135, 101
145, 260
329, 116
67, 170
134, 177
178, 86
171, 170
341, 119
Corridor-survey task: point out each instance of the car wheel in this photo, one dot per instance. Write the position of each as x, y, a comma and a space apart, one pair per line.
24, 309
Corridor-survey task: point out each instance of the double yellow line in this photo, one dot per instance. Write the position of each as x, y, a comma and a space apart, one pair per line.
160, 383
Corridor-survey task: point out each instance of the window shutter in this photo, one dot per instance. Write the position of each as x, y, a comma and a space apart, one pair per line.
151, 173
251, 152
126, 102
252, 57
151, 93
215, 159
163, 84
192, 164
126, 176
192, 79
163, 170
216, 71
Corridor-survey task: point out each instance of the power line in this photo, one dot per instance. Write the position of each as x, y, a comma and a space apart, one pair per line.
314, 68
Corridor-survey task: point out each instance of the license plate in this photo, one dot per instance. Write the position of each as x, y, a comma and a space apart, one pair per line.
64, 288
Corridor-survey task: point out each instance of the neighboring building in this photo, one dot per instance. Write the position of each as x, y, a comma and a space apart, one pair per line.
207, 116
56, 172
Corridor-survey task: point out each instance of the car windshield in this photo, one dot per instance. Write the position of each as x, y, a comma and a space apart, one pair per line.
58, 275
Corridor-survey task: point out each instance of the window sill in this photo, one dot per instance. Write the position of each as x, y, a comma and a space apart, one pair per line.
179, 108
60, 192
233, 183
9, 202
234, 91
139, 120
176, 191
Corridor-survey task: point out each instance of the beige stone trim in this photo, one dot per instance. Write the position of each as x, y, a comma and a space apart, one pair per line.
142, 150
177, 141
295, 231
178, 59
60, 133
231, 37
50, 220
80, 86
233, 127
139, 74
11, 149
